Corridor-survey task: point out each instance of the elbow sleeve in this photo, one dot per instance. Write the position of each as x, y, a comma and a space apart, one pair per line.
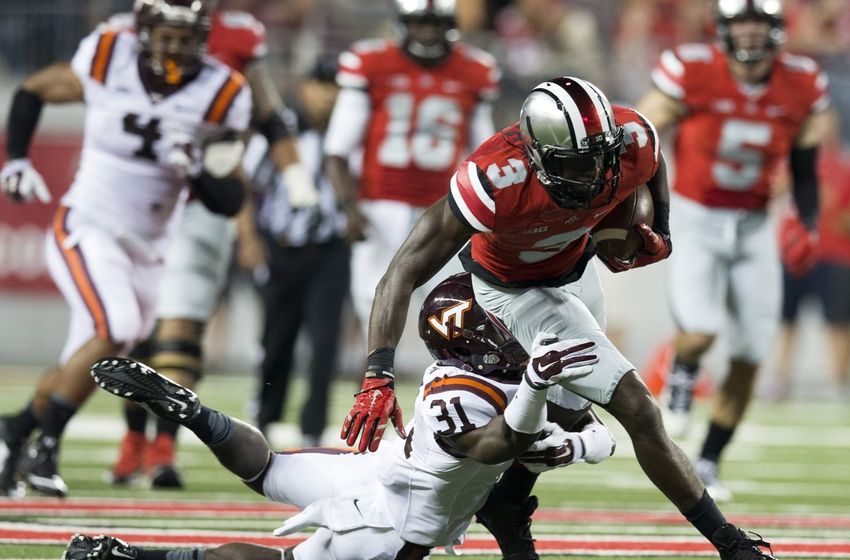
804, 176
23, 118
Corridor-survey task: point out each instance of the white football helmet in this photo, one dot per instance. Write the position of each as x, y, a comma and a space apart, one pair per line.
770, 11
572, 141
429, 48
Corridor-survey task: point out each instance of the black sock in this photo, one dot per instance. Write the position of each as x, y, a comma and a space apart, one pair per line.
136, 418
705, 516
173, 554
516, 484
21, 425
167, 427
715, 441
211, 426
59, 413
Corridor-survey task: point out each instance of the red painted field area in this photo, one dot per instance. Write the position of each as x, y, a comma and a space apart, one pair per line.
12, 532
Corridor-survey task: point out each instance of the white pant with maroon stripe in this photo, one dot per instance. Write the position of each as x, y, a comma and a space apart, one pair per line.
109, 280
575, 310
725, 271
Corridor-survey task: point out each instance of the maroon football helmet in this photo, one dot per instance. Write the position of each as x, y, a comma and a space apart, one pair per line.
458, 331
173, 36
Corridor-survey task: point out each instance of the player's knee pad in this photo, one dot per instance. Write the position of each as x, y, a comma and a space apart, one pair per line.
176, 356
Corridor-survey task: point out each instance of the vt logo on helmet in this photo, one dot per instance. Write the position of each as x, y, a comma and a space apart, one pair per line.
172, 38
427, 29
571, 141
751, 30
460, 332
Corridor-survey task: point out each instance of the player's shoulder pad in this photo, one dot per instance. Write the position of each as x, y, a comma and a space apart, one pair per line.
232, 83
639, 133
474, 391
121, 20
477, 55
798, 63
356, 64
472, 197
100, 48
237, 19
373, 46
695, 53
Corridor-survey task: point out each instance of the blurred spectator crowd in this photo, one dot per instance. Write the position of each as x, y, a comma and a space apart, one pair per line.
613, 43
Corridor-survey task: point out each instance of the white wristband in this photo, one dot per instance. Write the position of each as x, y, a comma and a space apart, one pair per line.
526, 413
302, 191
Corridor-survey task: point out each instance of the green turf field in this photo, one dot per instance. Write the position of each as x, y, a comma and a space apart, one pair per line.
789, 468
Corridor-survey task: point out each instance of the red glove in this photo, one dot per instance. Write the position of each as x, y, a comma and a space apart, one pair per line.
797, 245
656, 247
373, 406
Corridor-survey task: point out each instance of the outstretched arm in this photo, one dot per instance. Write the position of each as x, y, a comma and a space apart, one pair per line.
435, 238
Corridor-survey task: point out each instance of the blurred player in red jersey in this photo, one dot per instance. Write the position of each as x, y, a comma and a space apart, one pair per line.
416, 107
197, 262
742, 106
827, 283
521, 207
160, 116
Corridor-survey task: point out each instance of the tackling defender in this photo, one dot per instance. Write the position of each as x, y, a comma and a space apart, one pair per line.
480, 406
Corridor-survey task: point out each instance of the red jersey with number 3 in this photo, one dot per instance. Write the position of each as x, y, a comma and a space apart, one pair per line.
733, 137
419, 126
524, 238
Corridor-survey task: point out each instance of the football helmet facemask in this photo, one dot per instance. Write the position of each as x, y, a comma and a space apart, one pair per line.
172, 37
427, 28
460, 332
757, 45
572, 141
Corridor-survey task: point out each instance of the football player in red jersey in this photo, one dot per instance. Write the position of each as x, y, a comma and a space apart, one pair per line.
522, 206
197, 262
416, 107
156, 109
742, 106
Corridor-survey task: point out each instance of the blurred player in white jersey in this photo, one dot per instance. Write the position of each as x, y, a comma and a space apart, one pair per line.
161, 117
743, 107
416, 107
480, 406
198, 259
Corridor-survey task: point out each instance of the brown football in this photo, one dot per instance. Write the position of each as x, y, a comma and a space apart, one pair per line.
615, 235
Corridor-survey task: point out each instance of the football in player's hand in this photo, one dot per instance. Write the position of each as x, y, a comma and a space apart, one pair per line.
616, 235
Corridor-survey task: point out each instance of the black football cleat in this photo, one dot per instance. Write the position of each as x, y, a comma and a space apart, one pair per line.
10, 452
39, 467
734, 544
101, 547
166, 477
137, 382
510, 524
